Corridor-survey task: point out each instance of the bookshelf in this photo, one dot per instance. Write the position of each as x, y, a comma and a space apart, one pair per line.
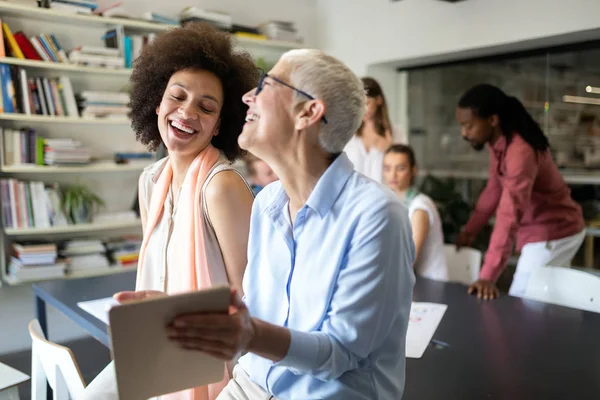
113, 269
55, 66
49, 15
77, 228
61, 120
115, 183
96, 167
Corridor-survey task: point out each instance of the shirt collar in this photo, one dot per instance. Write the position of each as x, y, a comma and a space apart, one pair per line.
327, 190
330, 185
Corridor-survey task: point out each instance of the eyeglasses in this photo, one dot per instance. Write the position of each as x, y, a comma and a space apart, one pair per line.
261, 83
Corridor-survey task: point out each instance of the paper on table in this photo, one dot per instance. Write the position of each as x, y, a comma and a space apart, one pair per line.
424, 320
98, 308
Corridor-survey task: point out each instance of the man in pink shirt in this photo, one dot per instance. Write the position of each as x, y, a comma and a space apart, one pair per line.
531, 200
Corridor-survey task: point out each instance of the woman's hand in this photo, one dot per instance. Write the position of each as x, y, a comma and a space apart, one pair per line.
222, 336
124, 297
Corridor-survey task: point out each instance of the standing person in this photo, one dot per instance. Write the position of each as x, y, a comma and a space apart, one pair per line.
328, 286
531, 200
375, 134
399, 173
195, 208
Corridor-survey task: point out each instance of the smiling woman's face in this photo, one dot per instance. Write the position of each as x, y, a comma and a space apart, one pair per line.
188, 114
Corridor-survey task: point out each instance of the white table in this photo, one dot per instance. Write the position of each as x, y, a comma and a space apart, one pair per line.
10, 378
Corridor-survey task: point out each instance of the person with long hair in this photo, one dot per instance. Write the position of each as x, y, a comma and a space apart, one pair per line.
399, 173
195, 208
532, 202
374, 135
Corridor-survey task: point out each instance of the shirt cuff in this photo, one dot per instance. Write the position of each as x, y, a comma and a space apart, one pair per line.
307, 351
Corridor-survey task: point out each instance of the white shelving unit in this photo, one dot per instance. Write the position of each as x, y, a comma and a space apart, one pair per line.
55, 66
97, 167
78, 228
32, 119
115, 183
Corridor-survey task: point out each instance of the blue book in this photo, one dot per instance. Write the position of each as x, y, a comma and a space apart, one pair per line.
128, 53
8, 90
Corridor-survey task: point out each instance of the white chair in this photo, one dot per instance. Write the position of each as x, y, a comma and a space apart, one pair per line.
564, 286
10, 379
54, 364
463, 265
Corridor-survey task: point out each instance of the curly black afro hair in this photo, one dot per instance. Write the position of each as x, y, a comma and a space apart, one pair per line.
195, 46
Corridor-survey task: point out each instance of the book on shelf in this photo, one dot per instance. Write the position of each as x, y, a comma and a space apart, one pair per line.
30, 205
98, 104
159, 18
36, 96
26, 147
217, 19
35, 260
23, 273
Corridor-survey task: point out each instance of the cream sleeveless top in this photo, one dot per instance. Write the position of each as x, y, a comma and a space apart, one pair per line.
158, 265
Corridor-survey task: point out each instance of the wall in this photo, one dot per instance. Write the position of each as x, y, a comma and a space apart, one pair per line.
363, 32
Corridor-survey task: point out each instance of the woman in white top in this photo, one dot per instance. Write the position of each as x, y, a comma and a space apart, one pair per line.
399, 172
375, 134
195, 208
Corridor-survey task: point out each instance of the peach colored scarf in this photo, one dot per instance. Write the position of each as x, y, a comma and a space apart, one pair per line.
189, 237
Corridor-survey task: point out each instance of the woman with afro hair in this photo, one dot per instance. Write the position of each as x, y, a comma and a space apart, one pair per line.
187, 86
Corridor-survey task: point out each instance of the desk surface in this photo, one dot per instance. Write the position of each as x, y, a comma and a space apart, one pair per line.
508, 348
65, 294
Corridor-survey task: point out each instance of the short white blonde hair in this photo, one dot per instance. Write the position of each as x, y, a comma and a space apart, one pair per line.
328, 79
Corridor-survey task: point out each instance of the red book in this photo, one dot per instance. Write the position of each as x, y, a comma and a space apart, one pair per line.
27, 48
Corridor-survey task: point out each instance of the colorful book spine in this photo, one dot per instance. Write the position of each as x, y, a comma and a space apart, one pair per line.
12, 43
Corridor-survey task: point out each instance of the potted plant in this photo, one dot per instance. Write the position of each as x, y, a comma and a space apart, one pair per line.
79, 202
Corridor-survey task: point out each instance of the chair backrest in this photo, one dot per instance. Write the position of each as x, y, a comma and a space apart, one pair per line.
463, 265
54, 364
566, 287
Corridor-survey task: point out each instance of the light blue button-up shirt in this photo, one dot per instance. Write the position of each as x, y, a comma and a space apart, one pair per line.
340, 278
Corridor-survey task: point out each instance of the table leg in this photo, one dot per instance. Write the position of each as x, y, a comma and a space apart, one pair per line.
40, 314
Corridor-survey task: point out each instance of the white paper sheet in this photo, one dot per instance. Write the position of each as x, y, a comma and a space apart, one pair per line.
98, 308
424, 320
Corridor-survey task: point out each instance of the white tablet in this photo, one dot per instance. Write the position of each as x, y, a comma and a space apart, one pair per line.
147, 364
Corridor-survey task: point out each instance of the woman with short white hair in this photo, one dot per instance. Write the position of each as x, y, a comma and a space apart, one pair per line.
329, 279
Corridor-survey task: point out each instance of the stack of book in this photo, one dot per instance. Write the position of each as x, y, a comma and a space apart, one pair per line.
84, 255
30, 205
125, 251
280, 30
113, 105
34, 261
217, 19
159, 18
97, 56
74, 6
65, 151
